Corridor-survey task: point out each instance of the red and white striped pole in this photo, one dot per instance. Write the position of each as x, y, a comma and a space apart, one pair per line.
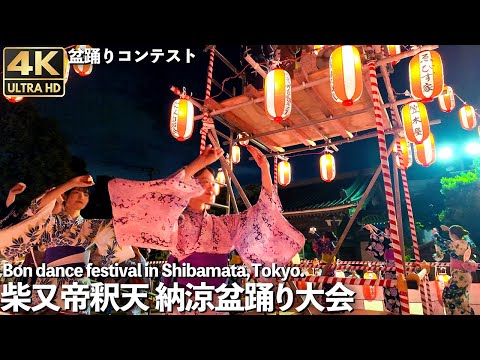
392, 218
207, 122
411, 220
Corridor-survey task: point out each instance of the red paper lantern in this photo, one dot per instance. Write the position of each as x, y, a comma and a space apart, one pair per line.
369, 291
446, 100
278, 95
83, 69
426, 75
327, 167
14, 99
425, 154
284, 173
181, 119
346, 82
403, 149
468, 118
415, 122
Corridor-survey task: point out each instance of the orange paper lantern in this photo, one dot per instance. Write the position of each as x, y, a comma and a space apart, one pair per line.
284, 173
14, 99
83, 69
346, 82
278, 95
241, 136
440, 281
369, 292
181, 119
446, 100
426, 75
327, 167
236, 154
403, 149
415, 122
394, 50
468, 118
425, 153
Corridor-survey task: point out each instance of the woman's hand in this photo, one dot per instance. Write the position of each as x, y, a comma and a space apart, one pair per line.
444, 228
259, 157
18, 188
207, 157
210, 155
81, 181
14, 191
264, 165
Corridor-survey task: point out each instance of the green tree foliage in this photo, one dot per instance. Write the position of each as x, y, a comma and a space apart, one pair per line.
32, 150
462, 201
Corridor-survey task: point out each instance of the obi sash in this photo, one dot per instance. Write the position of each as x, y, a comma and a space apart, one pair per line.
66, 256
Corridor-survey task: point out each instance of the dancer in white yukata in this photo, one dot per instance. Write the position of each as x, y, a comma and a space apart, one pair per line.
170, 214
64, 237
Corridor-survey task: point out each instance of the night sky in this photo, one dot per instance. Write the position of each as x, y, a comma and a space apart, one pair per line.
117, 118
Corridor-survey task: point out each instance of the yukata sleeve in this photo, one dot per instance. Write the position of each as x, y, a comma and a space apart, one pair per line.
443, 244
107, 246
146, 213
262, 235
18, 239
376, 248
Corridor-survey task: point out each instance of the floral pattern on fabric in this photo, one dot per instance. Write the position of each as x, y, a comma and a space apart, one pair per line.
455, 295
154, 214
42, 229
379, 244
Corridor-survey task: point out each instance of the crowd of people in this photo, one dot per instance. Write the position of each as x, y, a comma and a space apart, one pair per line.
165, 214
171, 214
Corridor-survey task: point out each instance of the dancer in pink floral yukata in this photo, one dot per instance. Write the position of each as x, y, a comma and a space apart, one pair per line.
170, 214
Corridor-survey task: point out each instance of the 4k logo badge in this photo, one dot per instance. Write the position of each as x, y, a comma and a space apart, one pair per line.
34, 71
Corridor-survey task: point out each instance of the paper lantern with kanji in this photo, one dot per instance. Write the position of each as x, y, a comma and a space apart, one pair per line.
426, 75
394, 50
415, 122
181, 119
83, 69
425, 154
369, 291
235, 154
14, 99
346, 82
284, 173
403, 149
468, 118
327, 167
278, 95
446, 100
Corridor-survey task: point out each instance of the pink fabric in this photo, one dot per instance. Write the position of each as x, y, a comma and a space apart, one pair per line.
456, 264
151, 214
